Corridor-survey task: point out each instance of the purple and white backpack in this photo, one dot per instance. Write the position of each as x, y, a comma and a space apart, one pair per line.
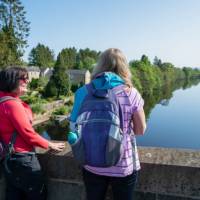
99, 127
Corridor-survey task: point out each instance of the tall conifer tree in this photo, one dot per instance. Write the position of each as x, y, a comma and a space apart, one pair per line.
14, 29
41, 56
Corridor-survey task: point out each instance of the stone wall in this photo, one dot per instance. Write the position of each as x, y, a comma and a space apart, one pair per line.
49, 108
167, 174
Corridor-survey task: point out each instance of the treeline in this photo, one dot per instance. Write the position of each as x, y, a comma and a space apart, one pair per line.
69, 58
156, 81
147, 76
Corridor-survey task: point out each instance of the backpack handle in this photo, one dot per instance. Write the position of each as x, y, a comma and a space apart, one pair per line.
6, 98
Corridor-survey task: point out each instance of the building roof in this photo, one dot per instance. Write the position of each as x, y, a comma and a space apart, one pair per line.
33, 68
77, 71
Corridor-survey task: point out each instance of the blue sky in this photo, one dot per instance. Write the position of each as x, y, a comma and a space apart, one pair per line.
168, 29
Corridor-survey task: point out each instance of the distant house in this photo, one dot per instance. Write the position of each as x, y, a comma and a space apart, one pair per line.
33, 72
79, 76
76, 76
46, 72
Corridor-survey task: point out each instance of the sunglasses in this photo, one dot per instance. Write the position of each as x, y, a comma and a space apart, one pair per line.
25, 79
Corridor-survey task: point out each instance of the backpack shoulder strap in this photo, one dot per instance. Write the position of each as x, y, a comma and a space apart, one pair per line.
6, 98
12, 142
14, 135
90, 88
118, 89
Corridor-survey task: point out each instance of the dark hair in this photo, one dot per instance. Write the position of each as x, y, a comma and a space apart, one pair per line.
9, 78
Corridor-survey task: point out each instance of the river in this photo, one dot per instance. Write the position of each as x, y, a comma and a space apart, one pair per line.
175, 122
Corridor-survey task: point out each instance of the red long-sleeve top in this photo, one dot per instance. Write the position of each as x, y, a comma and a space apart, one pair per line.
17, 116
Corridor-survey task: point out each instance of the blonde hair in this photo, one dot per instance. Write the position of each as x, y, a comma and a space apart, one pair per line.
113, 60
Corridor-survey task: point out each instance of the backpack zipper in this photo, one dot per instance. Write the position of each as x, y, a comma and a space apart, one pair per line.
97, 120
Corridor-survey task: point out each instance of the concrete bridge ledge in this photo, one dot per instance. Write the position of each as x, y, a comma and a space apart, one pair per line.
167, 174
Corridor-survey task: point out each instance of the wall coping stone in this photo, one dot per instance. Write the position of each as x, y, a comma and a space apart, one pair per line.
154, 155
170, 156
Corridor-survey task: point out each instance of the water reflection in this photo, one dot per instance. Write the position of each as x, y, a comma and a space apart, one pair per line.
46, 135
164, 102
163, 96
177, 124
52, 130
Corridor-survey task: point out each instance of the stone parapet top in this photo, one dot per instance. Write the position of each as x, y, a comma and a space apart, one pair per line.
155, 155
170, 156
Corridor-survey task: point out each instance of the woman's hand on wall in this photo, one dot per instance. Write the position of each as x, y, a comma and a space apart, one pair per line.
56, 146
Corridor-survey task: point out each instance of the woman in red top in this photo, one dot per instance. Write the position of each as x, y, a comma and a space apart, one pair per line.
24, 178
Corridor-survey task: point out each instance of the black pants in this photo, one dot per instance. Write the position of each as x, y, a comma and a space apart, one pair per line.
96, 186
25, 181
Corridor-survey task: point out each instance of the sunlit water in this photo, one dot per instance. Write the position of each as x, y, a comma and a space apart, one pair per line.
176, 124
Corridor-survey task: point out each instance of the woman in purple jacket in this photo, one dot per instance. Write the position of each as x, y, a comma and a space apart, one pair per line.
112, 70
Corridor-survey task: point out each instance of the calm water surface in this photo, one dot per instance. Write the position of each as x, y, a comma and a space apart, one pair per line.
175, 123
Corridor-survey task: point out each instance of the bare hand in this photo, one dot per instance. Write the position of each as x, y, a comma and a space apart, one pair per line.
57, 147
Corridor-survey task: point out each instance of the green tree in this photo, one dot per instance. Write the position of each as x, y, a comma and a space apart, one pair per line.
41, 56
86, 58
67, 58
188, 72
50, 89
59, 83
146, 73
7, 56
36, 84
157, 61
145, 60
14, 30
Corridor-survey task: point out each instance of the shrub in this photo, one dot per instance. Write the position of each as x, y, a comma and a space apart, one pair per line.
60, 111
37, 108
